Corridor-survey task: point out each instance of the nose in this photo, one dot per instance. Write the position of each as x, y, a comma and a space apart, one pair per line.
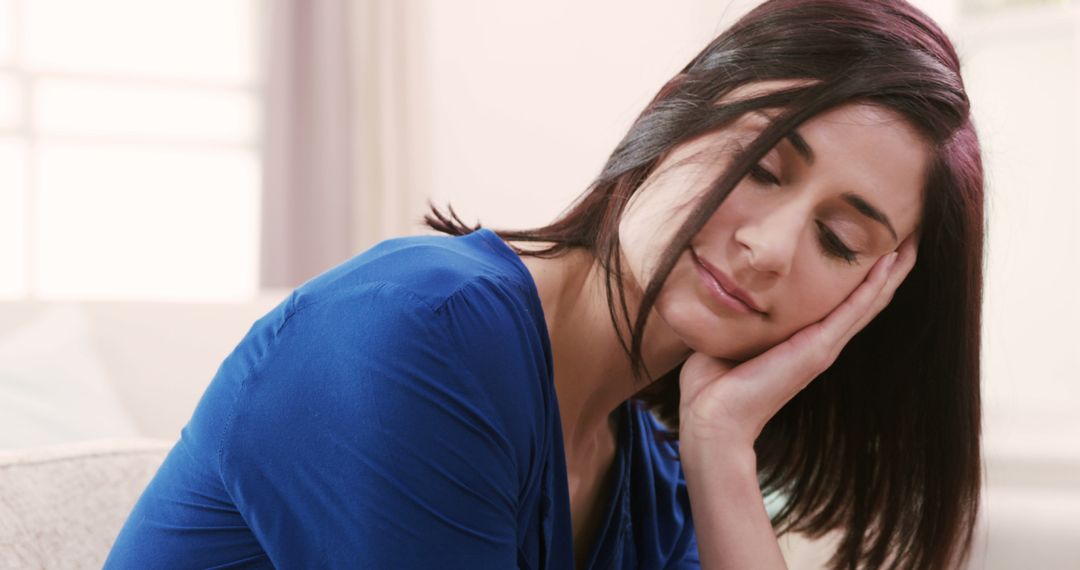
769, 240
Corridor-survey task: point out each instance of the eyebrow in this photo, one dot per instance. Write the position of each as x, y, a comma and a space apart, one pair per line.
801, 147
868, 210
794, 138
861, 205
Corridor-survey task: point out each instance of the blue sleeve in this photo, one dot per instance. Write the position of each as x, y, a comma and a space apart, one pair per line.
365, 428
360, 441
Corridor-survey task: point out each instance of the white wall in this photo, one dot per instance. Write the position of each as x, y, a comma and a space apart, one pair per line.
1023, 76
526, 101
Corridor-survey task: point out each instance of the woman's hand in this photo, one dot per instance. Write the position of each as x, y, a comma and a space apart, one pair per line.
728, 403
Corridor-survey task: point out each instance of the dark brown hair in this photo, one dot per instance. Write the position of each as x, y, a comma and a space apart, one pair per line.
885, 444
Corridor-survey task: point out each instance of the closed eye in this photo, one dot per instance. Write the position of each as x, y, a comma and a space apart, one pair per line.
759, 173
833, 245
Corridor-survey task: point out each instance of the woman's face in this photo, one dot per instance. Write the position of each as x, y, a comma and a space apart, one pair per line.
796, 236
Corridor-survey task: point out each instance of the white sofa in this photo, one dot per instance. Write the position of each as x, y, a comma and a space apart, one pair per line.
92, 397
124, 377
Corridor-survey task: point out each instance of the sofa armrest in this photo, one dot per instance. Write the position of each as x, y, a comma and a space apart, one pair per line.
62, 506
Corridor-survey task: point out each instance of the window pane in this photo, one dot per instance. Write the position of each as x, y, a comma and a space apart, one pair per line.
10, 100
12, 218
209, 39
66, 106
146, 223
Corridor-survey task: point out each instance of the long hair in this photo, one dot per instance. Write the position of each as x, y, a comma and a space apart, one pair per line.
884, 446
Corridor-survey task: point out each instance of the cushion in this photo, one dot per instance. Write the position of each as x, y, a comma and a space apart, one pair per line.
63, 506
53, 387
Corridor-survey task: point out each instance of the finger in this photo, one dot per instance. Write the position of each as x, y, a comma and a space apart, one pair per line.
845, 316
863, 305
905, 261
699, 370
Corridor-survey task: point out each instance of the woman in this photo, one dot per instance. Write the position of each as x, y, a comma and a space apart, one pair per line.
744, 268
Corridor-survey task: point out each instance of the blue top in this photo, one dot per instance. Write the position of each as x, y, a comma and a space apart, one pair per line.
399, 411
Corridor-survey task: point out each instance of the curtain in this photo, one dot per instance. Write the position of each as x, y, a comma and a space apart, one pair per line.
335, 142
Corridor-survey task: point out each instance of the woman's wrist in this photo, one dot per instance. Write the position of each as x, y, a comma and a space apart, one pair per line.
711, 456
711, 450
732, 525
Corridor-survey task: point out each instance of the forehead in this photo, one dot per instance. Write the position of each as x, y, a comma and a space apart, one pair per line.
873, 152
858, 148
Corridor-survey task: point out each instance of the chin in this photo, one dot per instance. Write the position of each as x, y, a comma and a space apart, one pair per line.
743, 354
727, 348
708, 336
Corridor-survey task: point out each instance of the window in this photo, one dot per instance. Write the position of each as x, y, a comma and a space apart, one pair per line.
129, 148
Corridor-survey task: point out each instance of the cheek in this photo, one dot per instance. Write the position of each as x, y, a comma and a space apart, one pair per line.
649, 223
682, 308
815, 298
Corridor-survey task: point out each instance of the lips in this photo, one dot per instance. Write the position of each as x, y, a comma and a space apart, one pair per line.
727, 283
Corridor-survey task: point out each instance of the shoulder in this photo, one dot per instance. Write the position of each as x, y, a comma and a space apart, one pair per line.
428, 268
469, 296
446, 290
418, 319
426, 338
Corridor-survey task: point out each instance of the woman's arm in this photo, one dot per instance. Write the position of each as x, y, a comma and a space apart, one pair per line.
733, 528
340, 434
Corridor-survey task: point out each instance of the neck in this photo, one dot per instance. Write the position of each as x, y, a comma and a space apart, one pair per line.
593, 376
